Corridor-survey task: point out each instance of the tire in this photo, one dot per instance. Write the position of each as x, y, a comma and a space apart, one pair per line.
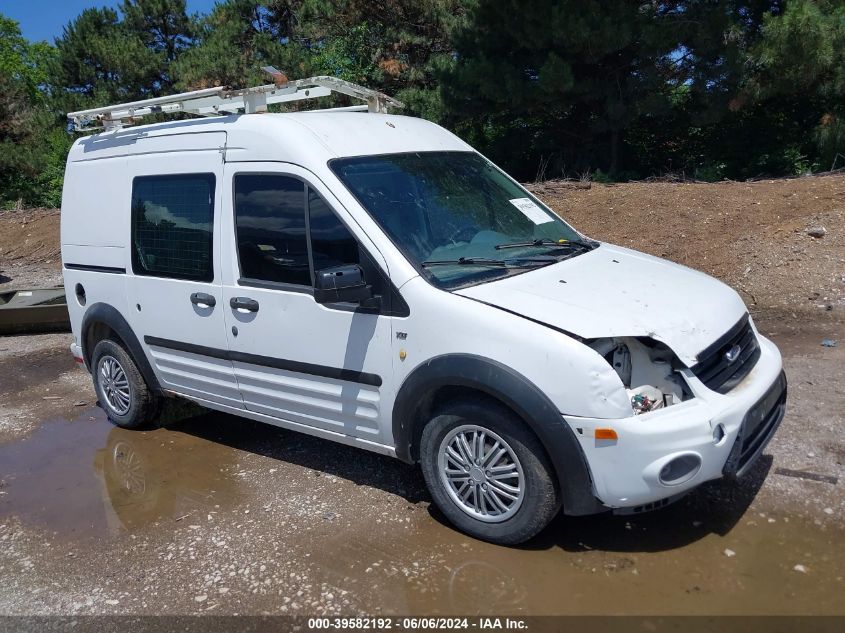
121, 389
493, 513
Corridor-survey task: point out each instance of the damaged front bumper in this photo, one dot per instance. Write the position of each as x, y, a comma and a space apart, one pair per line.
660, 455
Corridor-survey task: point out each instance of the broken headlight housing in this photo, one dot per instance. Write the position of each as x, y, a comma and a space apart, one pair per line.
647, 368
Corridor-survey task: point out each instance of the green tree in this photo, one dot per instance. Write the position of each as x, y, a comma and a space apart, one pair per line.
562, 79
237, 38
798, 70
21, 62
397, 46
29, 147
104, 57
164, 27
99, 62
704, 133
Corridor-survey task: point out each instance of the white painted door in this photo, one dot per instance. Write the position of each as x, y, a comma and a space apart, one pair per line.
326, 366
174, 285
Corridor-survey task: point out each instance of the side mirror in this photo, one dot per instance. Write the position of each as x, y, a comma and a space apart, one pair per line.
341, 284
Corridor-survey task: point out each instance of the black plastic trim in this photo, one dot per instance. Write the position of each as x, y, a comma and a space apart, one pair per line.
248, 282
722, 340
516, 392
392, 306
720, 375
110, 316
324, 371
97, 269
751, 441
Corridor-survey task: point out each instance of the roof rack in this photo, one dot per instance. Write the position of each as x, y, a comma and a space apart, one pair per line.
223, 100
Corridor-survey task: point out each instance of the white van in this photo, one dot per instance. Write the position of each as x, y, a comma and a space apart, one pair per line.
371, 279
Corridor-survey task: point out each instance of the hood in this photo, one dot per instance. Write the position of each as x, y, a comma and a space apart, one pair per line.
614, 291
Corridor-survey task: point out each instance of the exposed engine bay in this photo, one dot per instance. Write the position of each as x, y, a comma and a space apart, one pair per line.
647, 368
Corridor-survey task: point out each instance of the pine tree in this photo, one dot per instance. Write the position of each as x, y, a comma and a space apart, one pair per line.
164, 27
563, 79
30, 147
237, 38
798, 68
103, 57
397, 46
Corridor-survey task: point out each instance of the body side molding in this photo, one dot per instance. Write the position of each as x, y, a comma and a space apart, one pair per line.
324, 371
96, 269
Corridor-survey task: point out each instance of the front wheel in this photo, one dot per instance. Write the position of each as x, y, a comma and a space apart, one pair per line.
487, 472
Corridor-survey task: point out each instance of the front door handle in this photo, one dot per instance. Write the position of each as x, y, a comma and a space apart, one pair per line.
203, 300
244, 303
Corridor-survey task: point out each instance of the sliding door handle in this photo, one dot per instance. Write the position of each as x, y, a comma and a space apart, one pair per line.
203, 300
244, 303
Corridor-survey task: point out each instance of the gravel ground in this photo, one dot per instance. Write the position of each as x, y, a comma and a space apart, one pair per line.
216, 514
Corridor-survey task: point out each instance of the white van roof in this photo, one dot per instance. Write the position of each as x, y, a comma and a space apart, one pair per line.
301, 137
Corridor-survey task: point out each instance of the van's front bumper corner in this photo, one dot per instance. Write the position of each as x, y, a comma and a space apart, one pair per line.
660, 456
758, 427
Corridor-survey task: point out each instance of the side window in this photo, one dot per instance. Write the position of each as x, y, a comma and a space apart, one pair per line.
333, 245
331, 242
270, 228
172, 226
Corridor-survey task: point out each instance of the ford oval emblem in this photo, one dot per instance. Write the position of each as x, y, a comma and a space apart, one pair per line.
733, 353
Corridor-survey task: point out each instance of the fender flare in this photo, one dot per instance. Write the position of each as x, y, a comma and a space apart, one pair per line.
514, 391
110, 316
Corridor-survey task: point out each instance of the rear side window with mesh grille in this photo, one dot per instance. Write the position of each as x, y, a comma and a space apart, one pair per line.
172, 223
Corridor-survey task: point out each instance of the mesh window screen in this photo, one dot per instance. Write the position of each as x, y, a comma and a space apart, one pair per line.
172, 220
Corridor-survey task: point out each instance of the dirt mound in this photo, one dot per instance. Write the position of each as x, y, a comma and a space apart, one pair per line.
752, 235
30, 236
29, 248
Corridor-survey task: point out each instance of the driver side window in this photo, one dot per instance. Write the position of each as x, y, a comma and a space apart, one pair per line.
270, 228
333, 245
275, 217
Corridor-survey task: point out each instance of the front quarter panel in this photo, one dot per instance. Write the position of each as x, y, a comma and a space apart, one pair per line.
574, 377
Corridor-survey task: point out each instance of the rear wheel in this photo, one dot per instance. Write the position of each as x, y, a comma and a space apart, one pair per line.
121, 389
487, 472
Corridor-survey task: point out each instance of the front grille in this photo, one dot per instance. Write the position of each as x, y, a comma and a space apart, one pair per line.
758, 427
714, 368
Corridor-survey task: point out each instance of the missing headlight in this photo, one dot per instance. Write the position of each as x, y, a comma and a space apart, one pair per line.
647, 368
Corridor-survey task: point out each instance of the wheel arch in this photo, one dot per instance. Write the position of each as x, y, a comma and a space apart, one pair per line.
449, 376
102, 321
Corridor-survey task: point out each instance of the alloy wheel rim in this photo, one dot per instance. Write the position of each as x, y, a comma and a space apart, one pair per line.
481, 473
114, 385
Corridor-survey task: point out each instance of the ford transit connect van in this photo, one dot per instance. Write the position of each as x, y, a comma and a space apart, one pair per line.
373, 280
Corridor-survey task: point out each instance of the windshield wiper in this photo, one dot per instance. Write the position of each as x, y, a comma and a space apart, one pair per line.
474, 261
545, 242
466, 261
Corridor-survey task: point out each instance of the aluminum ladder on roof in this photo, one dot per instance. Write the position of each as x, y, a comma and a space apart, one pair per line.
223, 100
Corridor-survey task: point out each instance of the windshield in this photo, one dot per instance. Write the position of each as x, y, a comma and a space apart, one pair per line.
456, 217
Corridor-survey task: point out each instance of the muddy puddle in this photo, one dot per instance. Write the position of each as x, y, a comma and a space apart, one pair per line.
97, 486
87, 478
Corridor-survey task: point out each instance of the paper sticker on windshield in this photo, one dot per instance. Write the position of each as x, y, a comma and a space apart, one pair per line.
531, 211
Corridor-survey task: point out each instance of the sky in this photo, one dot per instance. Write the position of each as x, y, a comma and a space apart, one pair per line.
44, 19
